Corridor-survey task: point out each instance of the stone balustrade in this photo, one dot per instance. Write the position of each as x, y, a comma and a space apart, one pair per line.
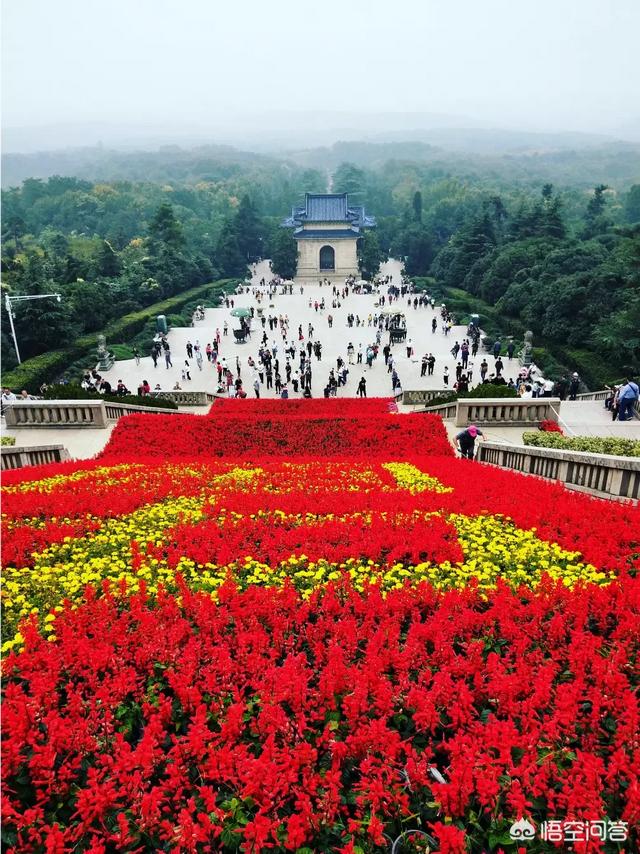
603, 475
603, 395
594, 395
422, 396
37, 455
71, 413
506, 411
187, 398
446, 411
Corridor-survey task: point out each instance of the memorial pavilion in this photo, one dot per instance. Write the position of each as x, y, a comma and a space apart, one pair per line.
327, 229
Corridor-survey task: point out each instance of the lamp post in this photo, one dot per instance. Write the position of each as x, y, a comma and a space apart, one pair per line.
8, 300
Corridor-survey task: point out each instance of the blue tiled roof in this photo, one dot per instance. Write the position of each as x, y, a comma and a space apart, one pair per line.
326, 233
329, 207
326, 208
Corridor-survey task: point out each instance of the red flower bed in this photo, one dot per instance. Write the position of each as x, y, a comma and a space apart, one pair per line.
235, 436
344, 407
271, 542
261, 719
270, 722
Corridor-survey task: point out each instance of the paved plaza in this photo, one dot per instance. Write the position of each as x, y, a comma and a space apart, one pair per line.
334, 343
584, 418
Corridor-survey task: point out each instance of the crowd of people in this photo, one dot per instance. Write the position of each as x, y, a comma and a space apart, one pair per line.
287, 358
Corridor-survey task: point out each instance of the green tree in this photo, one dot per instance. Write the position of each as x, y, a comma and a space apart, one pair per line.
596, 221
417, 206
13, 228
229, 258
632, 204
108, 264
165, 229
248, 230
284, 254
369, 254
350, 179
42, 324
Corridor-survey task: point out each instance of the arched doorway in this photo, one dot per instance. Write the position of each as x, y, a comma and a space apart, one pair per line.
327, 258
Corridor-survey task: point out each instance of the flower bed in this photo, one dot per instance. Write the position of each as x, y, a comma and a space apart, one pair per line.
236, 434
296, 649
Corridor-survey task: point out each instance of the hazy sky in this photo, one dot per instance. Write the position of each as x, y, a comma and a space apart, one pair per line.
535, 64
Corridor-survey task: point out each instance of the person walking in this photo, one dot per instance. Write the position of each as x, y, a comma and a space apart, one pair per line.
350, 352
510, 350
627, 398
167, 357
136, 355
362, 387
445, 376
199, 360
424, 366
431, 363
466, 441
256, 386
574, 385
190, 350
484, 367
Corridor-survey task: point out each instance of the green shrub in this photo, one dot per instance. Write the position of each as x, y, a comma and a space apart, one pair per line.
425, 283
121, 351
618, 447
442, 399
479, 391
31, 374
7, 440
76, 392
489, 390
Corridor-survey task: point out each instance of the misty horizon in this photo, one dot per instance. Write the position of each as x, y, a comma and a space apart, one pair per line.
116, 73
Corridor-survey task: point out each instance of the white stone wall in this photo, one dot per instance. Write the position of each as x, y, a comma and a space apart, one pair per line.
309, 258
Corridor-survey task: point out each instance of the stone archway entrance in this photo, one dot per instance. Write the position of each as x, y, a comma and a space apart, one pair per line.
327, 258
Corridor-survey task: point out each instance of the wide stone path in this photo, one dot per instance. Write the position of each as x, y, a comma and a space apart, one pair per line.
334, 343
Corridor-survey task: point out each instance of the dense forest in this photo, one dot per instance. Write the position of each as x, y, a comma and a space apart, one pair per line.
551, 240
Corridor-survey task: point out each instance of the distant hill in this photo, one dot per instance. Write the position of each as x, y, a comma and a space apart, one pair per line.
517, 157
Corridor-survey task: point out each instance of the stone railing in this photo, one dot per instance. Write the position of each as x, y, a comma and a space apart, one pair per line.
71, 413
186, 398
422, 396
603, 395
507, 412
37, 455
603, 475
594, 395
446, 411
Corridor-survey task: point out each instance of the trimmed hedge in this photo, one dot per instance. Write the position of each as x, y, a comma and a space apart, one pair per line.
76, 392
489, 390
43, 368
479, 391
618, 447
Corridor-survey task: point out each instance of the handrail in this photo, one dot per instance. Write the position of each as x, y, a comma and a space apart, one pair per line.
73, 413
12, 457
602, 475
